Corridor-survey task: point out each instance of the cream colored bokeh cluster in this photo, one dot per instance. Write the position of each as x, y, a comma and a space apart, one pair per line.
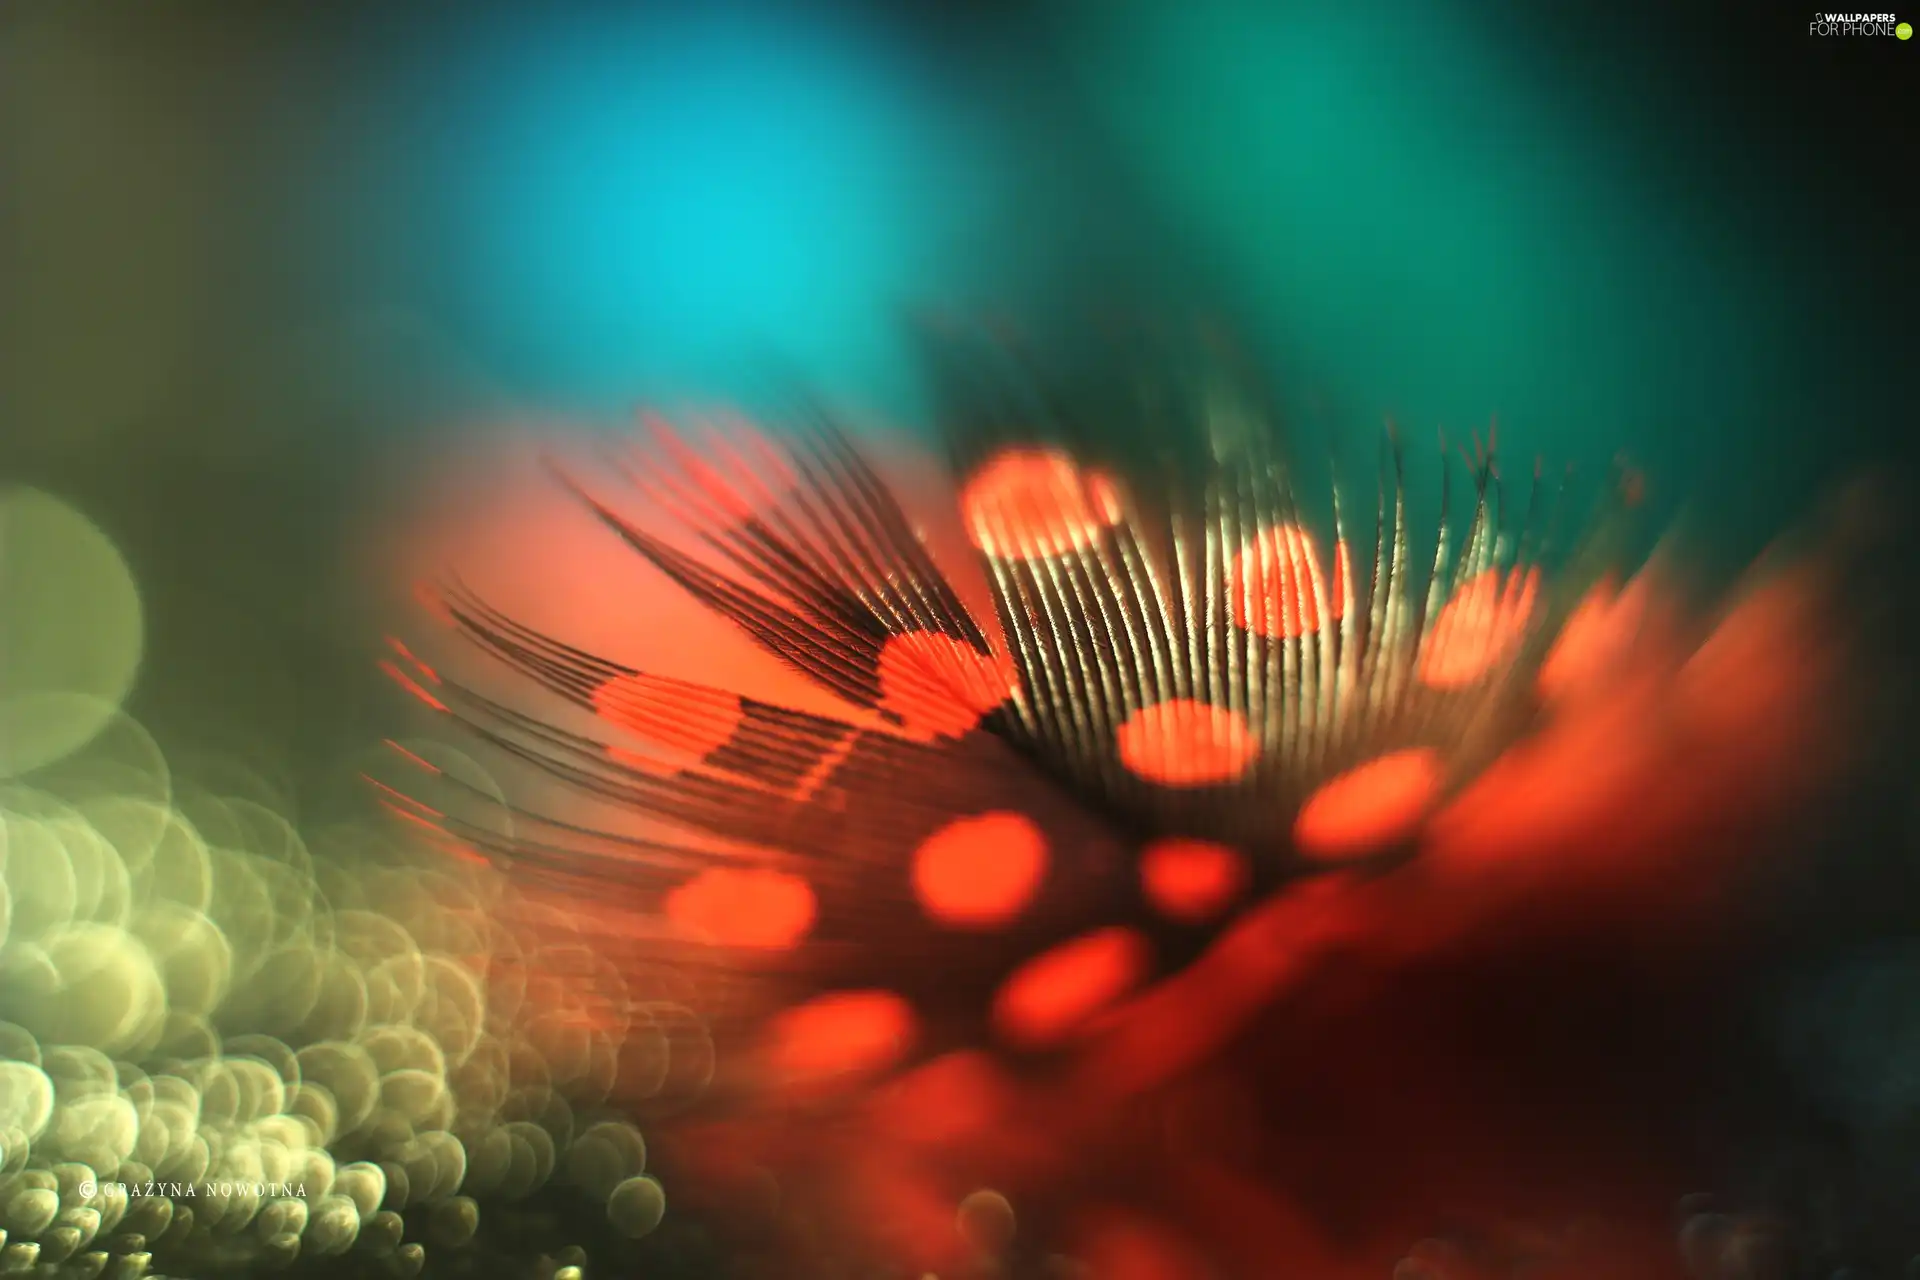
231, 1042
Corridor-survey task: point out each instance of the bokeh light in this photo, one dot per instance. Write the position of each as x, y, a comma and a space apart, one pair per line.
231, 1043
70, 630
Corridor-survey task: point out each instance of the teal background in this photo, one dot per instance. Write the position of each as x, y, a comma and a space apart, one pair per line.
1451, 213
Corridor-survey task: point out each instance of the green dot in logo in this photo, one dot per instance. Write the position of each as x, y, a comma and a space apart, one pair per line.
1904, 31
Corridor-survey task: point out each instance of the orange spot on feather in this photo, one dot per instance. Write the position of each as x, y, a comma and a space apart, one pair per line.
1479, 627
743, 907
1035, 503
942, 684
980, 872
1059, 992
1275, 583
838, 1035
1192, 881
668, 713
1368, 807
1594, 638
1184, 743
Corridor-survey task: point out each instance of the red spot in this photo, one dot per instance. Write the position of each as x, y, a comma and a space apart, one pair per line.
1183, 743
1479, 627
942, 684
738, 907
1056, 993
669, 713
1275, 583
1594, 638
979, 872
1031, 503
846, 1033
1366, 808
1192, 881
